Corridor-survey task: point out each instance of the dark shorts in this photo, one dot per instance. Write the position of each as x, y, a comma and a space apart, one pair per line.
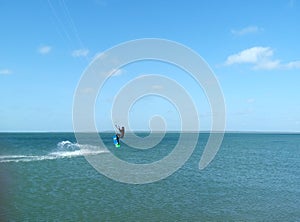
118, 139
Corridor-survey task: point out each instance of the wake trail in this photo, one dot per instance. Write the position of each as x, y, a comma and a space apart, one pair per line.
65, 149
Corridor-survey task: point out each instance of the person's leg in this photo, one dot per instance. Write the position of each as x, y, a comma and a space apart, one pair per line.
118, 138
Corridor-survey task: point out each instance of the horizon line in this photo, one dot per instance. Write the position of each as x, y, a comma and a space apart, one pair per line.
167, 131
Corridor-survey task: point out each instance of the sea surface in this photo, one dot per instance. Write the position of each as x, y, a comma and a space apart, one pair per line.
254, 177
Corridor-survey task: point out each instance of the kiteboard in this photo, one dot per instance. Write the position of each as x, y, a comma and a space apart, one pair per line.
116, 141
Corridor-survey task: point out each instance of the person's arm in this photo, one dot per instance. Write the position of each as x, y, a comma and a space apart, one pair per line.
118, 127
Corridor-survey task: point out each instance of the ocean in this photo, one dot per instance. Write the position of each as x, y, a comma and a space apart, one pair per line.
253, 177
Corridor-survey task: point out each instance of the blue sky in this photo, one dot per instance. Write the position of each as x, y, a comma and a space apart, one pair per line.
252, 46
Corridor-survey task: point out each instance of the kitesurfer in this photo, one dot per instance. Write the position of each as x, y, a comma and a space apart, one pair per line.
120, 134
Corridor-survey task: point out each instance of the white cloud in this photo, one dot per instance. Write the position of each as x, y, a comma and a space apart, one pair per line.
251, 55
293, 65
261, 58
246, 30
101, 55
116, 72
250, 100
5, 72
44, 49
80, 53
267, 64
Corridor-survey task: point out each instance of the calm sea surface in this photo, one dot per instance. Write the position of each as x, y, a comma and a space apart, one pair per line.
254, 177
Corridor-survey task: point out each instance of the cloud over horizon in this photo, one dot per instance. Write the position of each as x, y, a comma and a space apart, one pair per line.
45, 49
246, 30
261, 58
80, 53
5, 72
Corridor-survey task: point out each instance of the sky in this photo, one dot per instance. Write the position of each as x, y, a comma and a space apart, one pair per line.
251, 46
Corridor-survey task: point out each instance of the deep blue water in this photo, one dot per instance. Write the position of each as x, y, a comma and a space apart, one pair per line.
254, 177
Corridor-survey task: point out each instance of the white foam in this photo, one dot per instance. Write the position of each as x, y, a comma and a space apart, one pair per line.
67, 145
65, 149
75, 153
24, 158
13, 156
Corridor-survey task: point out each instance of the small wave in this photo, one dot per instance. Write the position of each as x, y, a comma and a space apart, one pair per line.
66, 154
13, 156
67, 145
15, 159
65, 149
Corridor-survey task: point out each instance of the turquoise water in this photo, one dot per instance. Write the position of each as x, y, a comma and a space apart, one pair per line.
254, 177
